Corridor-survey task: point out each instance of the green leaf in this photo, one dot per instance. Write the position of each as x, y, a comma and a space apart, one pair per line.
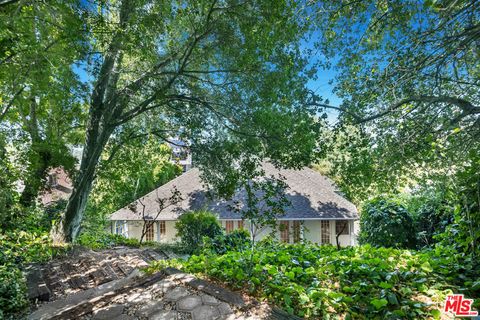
436, 314
426, 267
379, 303
385, 285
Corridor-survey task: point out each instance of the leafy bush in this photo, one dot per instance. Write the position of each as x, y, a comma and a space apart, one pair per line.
431, 220
12, 291
18, 248
354, 283
386, 223
237, 240
192, 227
103, 240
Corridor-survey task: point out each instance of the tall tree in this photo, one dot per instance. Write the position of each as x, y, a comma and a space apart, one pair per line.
409, 79
407, 71
222, 72
41, 96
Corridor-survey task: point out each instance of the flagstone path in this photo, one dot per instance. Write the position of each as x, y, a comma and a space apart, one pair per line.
109, 285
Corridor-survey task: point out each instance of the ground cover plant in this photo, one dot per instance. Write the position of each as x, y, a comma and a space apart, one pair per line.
357, 282
18, 249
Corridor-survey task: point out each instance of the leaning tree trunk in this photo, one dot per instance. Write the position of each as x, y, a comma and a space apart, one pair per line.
105, 108
97, 138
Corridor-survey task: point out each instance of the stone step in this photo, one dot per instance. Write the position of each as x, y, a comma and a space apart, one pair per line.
76, 305
37, 288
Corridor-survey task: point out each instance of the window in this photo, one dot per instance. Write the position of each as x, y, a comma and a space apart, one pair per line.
121, 228
240, 224
162, 228
284, 231
341, 227
52, 180
229, 226
325, 231
296, 231
149, 231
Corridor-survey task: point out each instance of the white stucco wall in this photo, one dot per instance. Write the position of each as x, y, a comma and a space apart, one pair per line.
135, 231
311, 231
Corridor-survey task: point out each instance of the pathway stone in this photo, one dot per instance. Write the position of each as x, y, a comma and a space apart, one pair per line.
108, 313
205, 312
209, 300
176, 294
164, 315
167, 295
224, 309
163, 286
189, 303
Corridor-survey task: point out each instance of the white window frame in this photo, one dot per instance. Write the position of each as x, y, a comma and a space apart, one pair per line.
121, 228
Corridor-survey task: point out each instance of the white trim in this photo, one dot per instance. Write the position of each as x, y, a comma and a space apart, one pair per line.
301, 219
237, 219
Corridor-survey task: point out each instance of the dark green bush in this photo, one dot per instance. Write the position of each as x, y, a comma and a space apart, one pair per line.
237, 240
431, 220
322, 282
192, 227
386, 223
17, 249
103, 240
12, 291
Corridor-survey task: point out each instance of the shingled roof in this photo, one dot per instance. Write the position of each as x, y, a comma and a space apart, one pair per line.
312, 197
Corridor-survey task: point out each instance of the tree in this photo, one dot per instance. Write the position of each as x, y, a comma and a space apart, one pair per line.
408, 76
41, 100
163, 203
218, 72
131, 167
261, 203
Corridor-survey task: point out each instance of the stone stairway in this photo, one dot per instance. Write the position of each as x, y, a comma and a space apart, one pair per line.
90, 285
85, 269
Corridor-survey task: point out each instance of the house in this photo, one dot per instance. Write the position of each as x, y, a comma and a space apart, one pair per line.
181, 154
316, 213
59, 186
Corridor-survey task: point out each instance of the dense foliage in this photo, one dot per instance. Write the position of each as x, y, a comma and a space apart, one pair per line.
386, 223
193, 227
237, 240
358, 282
104, 240
27, 243
132, 171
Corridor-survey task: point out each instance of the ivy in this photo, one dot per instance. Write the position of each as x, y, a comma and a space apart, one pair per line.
358, 282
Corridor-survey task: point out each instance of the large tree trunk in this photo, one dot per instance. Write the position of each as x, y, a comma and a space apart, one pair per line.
97, 138
105, 108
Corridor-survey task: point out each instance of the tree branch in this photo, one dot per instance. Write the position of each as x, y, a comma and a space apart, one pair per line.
466, 106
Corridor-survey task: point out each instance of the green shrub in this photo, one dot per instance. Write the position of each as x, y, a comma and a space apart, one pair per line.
237, 240
431, 220
386, 223
18, 248
192, 227
363, 282
104, 240
12, 291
